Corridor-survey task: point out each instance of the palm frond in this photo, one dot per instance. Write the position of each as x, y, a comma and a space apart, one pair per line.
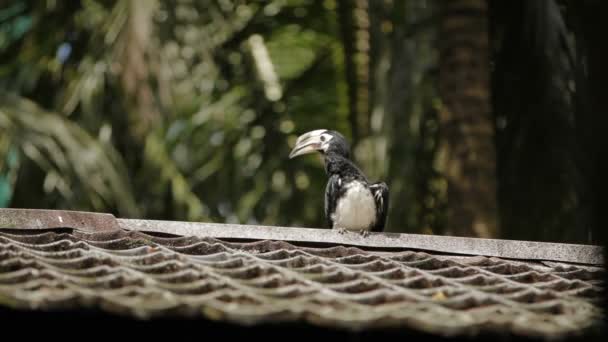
70, 156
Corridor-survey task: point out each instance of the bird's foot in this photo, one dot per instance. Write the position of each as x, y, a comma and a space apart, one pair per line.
341, 231
364, 233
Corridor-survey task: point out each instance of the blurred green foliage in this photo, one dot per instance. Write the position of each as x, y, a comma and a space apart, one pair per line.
170, 109
187, 110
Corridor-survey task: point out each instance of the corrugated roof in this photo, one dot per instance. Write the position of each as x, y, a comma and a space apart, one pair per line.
105, 266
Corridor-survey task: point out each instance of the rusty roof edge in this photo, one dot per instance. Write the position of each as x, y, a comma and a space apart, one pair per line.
512, 249
37, 219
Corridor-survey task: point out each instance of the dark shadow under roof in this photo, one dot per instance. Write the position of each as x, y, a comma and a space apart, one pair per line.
57, 260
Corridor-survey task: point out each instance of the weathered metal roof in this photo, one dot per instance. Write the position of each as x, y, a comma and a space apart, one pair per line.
52, 260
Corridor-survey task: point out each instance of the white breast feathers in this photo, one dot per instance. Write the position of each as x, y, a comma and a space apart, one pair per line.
356, 209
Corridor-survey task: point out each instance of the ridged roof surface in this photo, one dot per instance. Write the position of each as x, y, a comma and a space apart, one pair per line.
142, 275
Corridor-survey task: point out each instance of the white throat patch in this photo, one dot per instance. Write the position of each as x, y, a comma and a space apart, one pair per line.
356, 209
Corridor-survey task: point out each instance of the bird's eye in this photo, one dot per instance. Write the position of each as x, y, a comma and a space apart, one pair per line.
322, 138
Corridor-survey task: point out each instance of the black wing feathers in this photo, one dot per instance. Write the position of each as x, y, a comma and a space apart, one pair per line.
380, 192
332, 192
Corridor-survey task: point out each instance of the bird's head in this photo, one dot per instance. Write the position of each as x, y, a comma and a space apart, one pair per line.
323, 141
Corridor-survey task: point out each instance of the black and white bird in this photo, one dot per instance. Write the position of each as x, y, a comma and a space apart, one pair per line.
352, 203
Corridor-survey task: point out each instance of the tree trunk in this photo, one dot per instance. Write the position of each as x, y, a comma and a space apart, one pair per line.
347, 31
591, 119
467, 153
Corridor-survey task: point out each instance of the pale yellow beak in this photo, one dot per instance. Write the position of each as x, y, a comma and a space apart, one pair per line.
307, 143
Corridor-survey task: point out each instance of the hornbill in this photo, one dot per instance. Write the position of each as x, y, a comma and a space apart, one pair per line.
352, 202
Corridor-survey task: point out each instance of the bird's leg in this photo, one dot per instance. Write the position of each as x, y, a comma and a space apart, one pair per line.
364, 232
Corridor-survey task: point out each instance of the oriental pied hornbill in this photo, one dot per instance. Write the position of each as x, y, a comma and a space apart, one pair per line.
351, 201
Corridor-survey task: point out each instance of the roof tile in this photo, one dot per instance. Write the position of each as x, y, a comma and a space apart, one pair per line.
144, 275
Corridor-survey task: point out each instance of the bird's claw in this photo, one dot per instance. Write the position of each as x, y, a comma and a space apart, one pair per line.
341, 231
364, 233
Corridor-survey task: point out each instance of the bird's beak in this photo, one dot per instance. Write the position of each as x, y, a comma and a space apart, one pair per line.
307, 143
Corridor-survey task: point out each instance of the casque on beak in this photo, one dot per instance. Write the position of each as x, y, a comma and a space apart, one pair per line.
307, 143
